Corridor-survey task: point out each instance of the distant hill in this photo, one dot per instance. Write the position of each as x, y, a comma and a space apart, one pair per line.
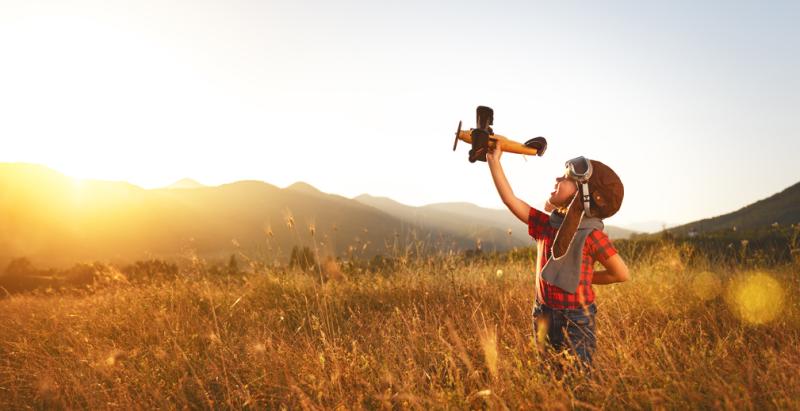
782, 208
467, 220
304, 188
185, 183
56, 221
618, 232
652, 226
503, 219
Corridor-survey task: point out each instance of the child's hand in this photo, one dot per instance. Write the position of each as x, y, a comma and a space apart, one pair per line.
493, 156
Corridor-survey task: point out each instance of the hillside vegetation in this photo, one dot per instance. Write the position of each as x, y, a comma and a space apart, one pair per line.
781, 209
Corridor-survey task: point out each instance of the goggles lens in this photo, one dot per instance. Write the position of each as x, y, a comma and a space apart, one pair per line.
579, 168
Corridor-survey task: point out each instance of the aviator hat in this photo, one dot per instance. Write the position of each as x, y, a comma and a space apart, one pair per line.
599, 188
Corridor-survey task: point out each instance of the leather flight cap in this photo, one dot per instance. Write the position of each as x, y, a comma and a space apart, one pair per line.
605, 194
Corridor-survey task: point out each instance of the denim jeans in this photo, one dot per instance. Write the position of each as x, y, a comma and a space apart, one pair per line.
571, 329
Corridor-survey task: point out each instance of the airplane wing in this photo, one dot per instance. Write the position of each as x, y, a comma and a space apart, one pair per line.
507, 145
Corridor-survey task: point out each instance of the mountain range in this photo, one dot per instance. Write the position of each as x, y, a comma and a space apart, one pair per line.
54, 220
476, 222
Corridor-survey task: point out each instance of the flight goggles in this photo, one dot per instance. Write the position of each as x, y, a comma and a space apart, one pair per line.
579, 169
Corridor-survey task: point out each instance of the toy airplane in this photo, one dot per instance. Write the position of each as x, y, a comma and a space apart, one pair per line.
483, 139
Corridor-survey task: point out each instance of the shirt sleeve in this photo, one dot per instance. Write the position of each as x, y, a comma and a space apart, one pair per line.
601, 247
538, 224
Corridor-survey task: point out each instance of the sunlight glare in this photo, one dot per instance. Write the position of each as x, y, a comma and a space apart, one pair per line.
757, 298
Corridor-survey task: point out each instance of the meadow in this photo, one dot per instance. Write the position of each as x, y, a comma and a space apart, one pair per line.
446, 332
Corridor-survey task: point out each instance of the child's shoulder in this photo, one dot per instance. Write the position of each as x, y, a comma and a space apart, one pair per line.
599, 244
537, 217
597, 233
598, 236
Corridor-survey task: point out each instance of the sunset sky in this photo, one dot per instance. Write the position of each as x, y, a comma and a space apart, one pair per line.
696, 106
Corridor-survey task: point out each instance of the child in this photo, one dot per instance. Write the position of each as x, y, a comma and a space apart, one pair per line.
569, 241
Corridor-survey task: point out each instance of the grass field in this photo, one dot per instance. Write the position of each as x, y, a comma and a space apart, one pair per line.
442, 333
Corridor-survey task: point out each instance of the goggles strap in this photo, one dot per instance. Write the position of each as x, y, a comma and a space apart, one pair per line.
586, 197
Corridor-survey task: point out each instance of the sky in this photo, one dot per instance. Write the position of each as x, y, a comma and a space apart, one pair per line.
695, 105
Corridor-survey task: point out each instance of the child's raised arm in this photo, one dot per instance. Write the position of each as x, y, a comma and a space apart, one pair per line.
518, 207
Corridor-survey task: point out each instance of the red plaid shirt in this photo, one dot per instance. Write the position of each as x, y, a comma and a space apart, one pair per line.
598, 247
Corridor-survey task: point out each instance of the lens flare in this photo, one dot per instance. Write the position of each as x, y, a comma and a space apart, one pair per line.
706, 285
757, 298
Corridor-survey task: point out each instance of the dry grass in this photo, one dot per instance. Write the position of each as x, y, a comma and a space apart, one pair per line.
443, 335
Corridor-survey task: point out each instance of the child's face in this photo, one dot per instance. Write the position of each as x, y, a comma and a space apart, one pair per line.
565, 189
